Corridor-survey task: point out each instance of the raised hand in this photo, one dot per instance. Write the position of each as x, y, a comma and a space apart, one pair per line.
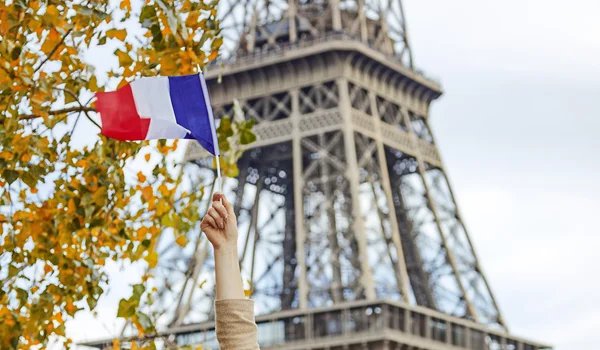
220, 227
220, 223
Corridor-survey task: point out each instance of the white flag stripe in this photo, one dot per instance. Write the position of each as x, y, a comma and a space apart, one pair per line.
153, 101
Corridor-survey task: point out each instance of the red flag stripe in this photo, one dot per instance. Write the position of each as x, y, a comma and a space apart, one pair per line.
120, 119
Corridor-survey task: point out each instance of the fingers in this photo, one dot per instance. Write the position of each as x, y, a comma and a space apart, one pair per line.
221, 210
220, 197
210, 221
217, 217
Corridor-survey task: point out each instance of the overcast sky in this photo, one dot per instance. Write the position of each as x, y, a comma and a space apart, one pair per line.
518, 128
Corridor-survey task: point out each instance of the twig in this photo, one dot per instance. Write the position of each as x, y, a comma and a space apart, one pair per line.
57, 111
62, 40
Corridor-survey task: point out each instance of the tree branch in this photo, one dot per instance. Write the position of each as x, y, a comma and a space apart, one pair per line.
62, 40
58, 111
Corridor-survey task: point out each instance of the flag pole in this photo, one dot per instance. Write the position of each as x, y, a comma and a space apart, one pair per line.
217, 153
219, 178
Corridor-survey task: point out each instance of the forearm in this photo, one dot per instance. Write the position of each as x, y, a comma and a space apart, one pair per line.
227, 274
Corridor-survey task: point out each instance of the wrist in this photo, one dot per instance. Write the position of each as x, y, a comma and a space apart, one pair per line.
225, 249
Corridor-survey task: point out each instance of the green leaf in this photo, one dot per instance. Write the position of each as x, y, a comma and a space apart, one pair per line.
92, 302
157, 36
147, 15
10, 175
247, 137
144, 320
28, 178
22, 296
15, 53
216, 43
138, 290
126, 308
225, 127
12, 270
167, 221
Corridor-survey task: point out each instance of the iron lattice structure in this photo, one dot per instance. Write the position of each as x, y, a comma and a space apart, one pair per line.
344, 197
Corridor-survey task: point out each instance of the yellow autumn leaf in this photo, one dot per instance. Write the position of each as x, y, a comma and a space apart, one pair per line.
34, 24
164, 190
52, 40
125, 59
202, 283
182, 241
116, 343
92, 210
192, 19
120, 34
51, 15
152, 259
168, 64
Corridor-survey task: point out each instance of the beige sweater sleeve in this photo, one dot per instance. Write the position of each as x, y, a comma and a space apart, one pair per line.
235, 326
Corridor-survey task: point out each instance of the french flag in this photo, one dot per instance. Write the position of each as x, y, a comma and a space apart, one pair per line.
160, 108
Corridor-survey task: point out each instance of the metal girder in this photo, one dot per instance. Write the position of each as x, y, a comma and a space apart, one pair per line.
346, 164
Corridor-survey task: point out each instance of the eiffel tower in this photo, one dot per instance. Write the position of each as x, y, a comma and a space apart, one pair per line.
350, 235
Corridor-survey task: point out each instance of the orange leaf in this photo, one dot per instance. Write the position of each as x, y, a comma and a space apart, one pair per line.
164, 190
182, 241
147, 157
47, 268
71, 206
192, 19
147, 193
125, 5
26, 157
141, 232
120, 34
51, 41
213, 55
70, 308
141, 177
122, 83
168, 64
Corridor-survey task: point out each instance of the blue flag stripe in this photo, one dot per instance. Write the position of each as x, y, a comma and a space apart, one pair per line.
192, 110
